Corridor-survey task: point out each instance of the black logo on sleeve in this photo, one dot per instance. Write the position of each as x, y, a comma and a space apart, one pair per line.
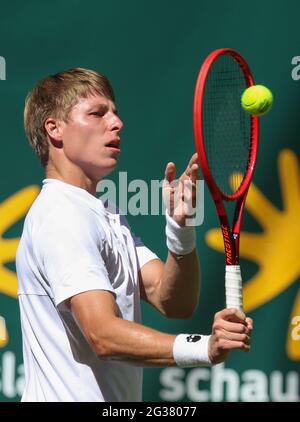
193, 338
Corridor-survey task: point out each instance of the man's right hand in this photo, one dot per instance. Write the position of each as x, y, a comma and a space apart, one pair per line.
231, 330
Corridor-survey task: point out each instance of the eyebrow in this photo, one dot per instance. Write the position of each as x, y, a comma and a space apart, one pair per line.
102, 105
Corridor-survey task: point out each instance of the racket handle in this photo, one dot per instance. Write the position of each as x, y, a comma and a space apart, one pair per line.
233, 287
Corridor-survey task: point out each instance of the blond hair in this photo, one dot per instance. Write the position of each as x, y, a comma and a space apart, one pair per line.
54, 97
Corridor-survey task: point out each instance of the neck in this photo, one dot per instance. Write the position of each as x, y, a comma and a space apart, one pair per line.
71, 174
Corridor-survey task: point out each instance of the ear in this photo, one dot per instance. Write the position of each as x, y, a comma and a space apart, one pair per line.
54, 130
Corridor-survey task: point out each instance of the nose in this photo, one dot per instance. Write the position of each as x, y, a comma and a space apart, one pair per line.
116, 123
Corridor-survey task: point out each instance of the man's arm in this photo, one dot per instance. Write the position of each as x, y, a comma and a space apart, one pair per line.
172, 287
112, 337
97, 313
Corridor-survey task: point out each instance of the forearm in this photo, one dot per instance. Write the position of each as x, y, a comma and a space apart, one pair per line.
113, 338
180, 284
133, 342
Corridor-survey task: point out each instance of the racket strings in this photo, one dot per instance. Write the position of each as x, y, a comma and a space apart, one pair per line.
226, 126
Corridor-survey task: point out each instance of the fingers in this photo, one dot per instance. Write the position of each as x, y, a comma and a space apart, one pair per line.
191, 171
249, 323
170, 172
231, 330
169, 188
191, 165
233, 327
193, 160
232, 314
238, 337
228, 345
194, 173
181, 195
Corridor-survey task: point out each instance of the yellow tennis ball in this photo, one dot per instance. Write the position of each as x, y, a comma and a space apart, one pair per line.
257, 100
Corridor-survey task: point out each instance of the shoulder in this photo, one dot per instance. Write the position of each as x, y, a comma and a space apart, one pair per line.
56, 214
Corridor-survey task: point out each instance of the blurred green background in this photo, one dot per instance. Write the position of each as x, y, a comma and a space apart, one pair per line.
152, 52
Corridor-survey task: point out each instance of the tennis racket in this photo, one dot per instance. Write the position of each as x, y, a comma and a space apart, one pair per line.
226, 139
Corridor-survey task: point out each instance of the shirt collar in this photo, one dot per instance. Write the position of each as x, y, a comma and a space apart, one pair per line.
80, 194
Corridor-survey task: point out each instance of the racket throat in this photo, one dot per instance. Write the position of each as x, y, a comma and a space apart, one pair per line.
236, 227
231, 245
236, 246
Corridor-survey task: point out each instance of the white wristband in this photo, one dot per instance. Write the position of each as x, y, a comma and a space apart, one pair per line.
180, 240
191, 350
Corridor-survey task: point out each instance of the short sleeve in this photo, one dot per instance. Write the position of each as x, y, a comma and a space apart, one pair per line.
144, 254
68, 251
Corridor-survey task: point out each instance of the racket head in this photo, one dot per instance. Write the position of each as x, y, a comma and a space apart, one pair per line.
226, 136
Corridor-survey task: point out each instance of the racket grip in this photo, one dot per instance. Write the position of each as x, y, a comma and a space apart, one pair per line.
233, 287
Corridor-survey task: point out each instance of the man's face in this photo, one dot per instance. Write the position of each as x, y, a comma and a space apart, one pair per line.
91, 137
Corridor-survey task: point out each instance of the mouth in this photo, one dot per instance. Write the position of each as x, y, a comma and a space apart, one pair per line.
114, 144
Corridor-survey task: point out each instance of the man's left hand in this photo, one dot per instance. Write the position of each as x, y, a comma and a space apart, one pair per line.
180, 195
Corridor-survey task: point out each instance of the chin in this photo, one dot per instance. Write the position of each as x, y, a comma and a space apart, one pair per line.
102, 170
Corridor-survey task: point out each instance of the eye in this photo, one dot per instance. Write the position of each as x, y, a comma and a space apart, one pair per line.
98, 113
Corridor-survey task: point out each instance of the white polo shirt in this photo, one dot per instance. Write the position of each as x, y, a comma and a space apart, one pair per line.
71, 244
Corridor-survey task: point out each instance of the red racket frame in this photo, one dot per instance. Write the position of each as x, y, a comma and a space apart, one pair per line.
231, 236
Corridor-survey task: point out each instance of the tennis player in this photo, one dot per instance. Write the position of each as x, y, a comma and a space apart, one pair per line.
82, 272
